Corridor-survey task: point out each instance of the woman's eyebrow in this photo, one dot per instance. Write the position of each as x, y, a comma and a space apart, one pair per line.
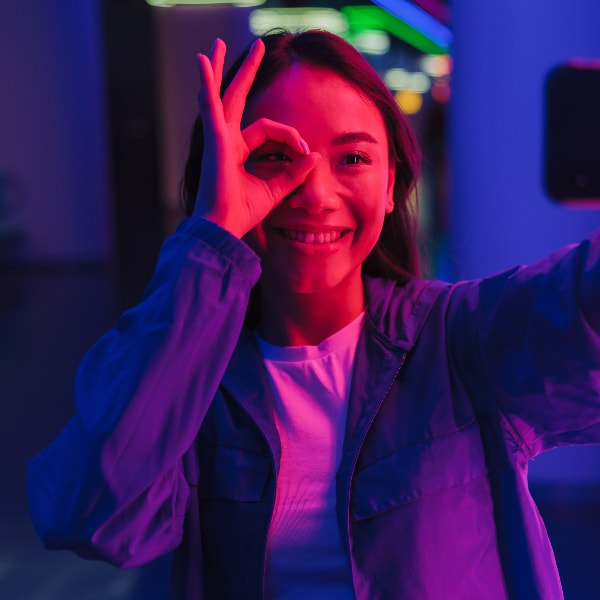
353, 137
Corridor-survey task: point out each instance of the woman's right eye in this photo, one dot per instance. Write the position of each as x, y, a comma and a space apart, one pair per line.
267, 162
275, 157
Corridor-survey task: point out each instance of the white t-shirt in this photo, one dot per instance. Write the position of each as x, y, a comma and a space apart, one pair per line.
311, 384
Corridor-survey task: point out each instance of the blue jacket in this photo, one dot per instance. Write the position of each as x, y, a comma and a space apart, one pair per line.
455, 388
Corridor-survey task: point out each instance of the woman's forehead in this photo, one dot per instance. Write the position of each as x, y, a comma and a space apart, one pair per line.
308, 90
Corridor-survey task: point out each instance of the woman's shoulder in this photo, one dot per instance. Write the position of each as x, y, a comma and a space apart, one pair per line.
398, 310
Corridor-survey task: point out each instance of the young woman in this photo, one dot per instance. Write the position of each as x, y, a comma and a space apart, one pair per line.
291, 408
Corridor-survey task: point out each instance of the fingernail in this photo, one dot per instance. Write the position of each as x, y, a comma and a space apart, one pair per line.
305, 146
254, 44
212, 48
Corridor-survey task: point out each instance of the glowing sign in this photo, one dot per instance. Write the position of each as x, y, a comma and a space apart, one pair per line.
431, 39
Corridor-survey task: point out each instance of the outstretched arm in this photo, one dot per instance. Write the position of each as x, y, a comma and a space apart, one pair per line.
530, 341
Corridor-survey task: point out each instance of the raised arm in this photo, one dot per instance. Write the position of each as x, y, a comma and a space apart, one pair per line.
112, 485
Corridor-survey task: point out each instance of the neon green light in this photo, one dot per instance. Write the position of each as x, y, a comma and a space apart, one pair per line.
373, 17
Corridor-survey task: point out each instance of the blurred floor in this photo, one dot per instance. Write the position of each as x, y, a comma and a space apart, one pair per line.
48, 318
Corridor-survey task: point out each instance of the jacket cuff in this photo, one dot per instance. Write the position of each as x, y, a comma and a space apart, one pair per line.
235, 250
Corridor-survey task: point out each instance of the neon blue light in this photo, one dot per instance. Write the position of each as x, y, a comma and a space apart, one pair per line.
419, 19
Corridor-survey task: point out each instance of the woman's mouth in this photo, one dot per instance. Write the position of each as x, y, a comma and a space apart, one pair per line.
329, 236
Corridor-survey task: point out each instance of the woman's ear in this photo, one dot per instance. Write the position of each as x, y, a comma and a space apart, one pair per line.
389, 203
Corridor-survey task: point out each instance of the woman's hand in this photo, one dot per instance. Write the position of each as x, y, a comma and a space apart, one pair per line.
228, 194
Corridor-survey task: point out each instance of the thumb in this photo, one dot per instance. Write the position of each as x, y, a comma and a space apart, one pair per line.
285, 182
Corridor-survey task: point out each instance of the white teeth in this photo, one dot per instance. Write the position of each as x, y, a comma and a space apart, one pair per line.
308, 237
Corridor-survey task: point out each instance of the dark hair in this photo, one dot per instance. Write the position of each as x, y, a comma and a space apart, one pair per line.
396, 254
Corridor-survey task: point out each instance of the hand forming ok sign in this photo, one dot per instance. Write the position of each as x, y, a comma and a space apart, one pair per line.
228, 194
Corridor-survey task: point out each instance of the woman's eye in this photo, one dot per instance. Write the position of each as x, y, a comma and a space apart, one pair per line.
266, 162
276, 157
355, 159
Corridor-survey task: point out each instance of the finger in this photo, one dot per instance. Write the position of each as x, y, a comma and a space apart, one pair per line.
209, 102
265, 130
217, 60
285, 182
234, 98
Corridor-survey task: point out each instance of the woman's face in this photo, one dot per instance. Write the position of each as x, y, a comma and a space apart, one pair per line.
317, 238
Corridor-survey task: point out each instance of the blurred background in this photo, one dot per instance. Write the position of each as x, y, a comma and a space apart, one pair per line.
97, 99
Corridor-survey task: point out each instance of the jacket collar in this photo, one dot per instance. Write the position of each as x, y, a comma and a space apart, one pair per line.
397, 312
246, 380
395, 315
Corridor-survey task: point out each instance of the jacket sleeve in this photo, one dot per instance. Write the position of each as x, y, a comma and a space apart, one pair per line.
531, 339
112, 486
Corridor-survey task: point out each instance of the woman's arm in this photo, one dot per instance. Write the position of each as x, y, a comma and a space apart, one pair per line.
531, 338
111, 486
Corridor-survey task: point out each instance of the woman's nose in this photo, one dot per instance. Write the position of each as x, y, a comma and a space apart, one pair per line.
317, 193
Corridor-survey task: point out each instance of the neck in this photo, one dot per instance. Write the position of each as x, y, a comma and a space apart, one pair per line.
291, 319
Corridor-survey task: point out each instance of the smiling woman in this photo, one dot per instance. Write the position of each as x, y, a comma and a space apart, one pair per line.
291, 398
395, 254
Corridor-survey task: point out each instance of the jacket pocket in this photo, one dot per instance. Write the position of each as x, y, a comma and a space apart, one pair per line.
232, 474
417, 471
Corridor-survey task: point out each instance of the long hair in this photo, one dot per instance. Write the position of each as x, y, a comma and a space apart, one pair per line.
396, 254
